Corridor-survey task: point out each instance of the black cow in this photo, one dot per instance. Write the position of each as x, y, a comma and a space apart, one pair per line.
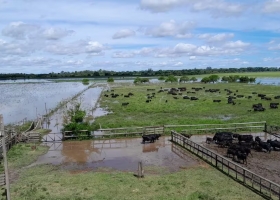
262, 145
217, 101
274, 105
209, 140
220, 134
125, 104
150, 138
194, 98
274, 144
186, 97
241, 156
186, 135
245, 138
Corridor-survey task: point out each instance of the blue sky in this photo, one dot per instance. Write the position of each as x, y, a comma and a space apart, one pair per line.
67, 35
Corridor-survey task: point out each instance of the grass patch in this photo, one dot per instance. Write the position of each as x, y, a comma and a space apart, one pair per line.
182, 111
48, 182
22, 155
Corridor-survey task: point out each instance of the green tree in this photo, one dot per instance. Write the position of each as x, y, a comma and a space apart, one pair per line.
214, 78
85, 81
171, 79
225, 78
193, 79
184, 79
252, 80
110, 80
161, 78
206, 80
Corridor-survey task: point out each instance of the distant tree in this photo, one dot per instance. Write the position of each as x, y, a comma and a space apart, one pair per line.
214, 78
141, 80
184, 79
110, 80
244, 79
252, 80
205, 80
225, 78
85, 81
193, 79
161, 78
171, 79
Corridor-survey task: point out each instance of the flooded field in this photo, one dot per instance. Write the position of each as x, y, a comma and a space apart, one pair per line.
24, 101
119, 154
88, 101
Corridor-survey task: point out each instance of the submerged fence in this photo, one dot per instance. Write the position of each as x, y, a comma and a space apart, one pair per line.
258, 184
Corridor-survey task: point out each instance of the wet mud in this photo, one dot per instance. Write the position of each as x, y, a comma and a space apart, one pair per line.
118, 154
264, 164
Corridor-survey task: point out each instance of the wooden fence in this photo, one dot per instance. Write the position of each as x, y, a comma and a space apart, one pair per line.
258, 184
213, 128
273, 130
192, 129
130, 131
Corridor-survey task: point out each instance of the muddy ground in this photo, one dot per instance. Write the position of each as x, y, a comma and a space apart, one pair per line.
262, 163
118, 154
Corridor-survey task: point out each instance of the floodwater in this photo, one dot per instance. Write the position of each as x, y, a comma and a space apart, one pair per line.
119, 154
27, 101
88, 100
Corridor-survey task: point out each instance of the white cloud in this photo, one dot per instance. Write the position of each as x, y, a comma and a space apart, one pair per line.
19, 30
122, 55
54, 33
215, 7
192, 57
272, 6
237, 44
171, 28
24, 31
216, 38
124, 33
273, 45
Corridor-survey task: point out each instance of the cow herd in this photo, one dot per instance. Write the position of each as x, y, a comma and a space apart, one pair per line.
239, 147
179, 93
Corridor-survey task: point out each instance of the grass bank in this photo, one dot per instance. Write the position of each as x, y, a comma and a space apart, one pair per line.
183, 111
48, 182
22, 155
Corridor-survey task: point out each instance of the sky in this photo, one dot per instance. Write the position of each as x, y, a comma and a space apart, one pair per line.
126, 35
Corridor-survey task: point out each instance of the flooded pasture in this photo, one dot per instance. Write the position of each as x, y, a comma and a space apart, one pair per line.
119, 154
27, 101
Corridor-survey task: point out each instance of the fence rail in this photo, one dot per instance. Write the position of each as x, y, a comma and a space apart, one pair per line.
273, 130
258, 184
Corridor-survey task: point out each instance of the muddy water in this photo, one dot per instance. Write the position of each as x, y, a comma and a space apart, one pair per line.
120, 154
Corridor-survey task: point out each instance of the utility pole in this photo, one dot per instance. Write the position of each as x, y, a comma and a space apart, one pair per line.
2, 129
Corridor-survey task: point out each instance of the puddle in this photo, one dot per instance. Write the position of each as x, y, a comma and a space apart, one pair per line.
119, 154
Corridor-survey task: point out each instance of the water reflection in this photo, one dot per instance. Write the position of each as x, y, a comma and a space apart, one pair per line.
120, 154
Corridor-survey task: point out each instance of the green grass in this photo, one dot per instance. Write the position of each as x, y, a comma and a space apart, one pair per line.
48, 182
181, 111
22, 155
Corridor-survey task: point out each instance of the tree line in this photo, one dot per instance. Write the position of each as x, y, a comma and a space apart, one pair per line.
146, 73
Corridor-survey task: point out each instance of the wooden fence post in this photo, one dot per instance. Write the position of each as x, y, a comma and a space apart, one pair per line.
5, 157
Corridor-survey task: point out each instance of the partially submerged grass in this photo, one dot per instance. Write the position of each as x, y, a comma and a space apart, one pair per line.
181, 111
22, 155
48, 182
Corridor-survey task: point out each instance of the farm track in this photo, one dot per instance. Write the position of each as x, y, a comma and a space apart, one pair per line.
264, 164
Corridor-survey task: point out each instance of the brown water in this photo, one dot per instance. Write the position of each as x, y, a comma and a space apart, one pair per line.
120, 154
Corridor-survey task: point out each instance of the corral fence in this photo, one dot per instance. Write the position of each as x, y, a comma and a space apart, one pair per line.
258, 184
249, 127
273, 130
131, 131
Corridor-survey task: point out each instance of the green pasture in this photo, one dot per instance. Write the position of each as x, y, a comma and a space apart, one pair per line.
184, 111
200, 183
